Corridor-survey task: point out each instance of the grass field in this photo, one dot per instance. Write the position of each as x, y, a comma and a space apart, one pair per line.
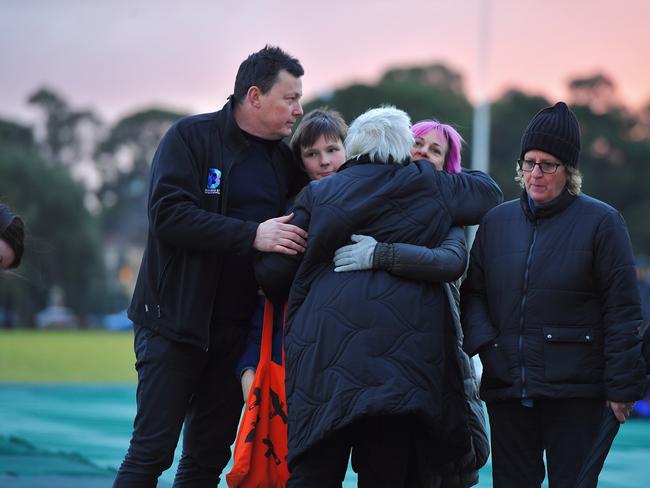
62, 356
62, 402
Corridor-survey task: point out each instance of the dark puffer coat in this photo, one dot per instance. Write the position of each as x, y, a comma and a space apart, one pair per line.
370, 343
446, 263
551, 302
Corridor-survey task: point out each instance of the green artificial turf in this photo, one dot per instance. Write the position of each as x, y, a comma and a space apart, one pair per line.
62, 356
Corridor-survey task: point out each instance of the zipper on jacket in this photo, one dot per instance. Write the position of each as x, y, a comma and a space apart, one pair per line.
520, 344
223, 210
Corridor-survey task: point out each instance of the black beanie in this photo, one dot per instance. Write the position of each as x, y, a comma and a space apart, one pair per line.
554, 130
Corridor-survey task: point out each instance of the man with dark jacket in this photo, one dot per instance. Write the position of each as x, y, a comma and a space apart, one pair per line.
552, 306
214, 178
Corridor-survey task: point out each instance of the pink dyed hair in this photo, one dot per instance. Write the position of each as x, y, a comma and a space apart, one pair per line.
454, 140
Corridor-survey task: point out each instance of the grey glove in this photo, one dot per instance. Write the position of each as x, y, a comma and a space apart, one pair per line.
357, 256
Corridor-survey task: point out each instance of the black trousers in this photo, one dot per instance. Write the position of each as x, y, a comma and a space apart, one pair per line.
179, 383
383, 454
564, 428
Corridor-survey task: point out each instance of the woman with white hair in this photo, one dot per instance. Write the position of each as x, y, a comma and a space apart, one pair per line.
366, 368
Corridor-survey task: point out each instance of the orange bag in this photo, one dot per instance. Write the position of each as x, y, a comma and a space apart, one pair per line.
260, 458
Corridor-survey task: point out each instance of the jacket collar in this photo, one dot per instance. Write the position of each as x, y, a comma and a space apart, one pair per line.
364, 159
354, 162
548, 209
233, 135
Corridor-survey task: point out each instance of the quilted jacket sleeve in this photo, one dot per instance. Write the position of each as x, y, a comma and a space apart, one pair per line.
468, 195
475, 317
441, 264
619, 296
644, 332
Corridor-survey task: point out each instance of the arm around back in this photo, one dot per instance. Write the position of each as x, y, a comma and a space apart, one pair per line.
468, 195
441, 264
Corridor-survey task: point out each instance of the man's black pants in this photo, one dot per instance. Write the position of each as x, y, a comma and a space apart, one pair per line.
564, 428
180, 383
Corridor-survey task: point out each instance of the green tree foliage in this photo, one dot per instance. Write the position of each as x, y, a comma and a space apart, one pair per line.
510, 115
123, 159
66, 244
423, 92
63, 246
16, 135
65, 129
615, 162
615, 143
597, 92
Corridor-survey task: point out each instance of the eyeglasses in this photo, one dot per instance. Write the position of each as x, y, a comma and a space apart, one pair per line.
547, 167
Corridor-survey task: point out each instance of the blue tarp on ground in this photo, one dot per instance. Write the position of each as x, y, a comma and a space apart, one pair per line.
76, 436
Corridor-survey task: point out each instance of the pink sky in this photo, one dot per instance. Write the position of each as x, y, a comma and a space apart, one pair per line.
119, 56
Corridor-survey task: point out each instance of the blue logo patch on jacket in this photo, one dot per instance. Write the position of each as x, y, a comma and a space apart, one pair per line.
214, 180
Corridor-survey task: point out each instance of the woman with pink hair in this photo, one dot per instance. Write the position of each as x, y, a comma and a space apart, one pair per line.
438, 143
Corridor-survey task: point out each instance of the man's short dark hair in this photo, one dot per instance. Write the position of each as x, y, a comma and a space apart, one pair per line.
261, 69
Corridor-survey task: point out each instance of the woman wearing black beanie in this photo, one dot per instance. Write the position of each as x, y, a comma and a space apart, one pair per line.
552, 307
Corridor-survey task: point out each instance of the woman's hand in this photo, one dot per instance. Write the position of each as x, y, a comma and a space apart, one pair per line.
355, 257
621, 410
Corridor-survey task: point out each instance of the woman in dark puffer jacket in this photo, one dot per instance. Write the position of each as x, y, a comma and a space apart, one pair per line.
552, 306
366, 352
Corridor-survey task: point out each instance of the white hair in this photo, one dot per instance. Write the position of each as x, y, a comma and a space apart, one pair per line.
383, 134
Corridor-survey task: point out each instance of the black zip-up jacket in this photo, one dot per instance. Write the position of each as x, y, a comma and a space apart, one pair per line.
189, 227
551, 303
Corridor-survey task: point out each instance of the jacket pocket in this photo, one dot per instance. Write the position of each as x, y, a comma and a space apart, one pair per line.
569, 355
496, 373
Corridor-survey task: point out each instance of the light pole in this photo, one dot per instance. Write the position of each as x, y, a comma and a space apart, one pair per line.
481, 122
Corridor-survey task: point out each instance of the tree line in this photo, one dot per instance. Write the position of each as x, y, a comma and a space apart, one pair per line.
81, 184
